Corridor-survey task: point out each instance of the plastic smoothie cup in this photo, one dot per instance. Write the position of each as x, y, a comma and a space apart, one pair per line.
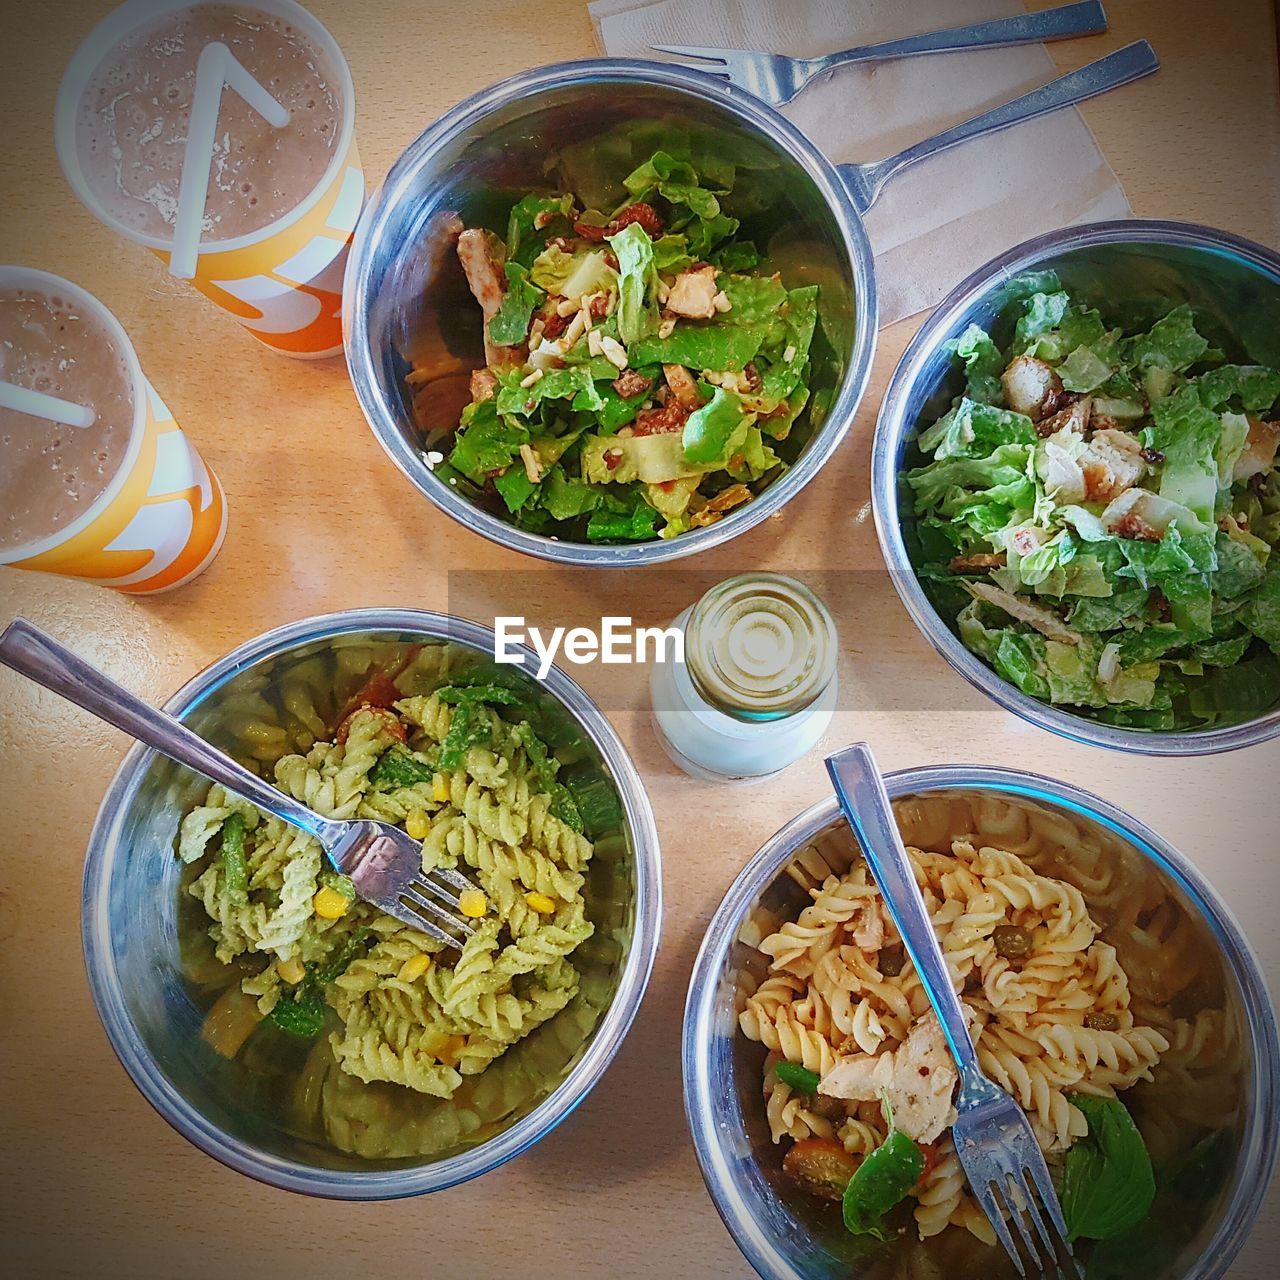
281, 280
161, 517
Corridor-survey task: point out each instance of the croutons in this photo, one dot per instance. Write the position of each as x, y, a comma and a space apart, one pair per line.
693, 294
1031, 387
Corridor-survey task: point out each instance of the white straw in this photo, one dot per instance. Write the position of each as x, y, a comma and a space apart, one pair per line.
217, 66
39, 405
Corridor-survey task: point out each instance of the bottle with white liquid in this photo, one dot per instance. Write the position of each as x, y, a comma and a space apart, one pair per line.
757, 686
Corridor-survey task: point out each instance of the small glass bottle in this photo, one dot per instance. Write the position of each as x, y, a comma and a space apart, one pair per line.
757, 686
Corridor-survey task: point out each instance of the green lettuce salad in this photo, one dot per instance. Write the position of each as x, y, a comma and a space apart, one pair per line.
1097, 516
641, 372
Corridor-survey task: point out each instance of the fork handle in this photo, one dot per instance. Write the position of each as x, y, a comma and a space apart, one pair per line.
860, 790
1083, 19
1122, 67
32, 653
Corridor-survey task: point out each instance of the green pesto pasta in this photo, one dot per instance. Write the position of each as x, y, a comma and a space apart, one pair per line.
397, 1006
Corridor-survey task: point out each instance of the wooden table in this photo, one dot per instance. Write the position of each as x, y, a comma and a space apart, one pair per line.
93, 1181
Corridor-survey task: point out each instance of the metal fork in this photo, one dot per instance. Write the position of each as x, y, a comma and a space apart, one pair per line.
778, 79
383, 862
993, 1137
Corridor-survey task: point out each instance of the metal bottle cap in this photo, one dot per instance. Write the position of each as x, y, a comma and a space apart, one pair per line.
760, 646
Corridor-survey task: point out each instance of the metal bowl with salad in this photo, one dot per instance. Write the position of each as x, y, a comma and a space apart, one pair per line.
1076, 487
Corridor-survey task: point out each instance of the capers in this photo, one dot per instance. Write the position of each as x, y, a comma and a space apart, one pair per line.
1102, 1022
1012, 941
891, 960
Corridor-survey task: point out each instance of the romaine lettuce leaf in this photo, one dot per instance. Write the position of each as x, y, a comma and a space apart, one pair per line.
622, 516
1006, 465
801, 318
637, 309
572, 275
485, 442
1261, 610
1187, 434
974, 430
510, 326
712, 433
712, 346
983, 364
1173, 343
532, 222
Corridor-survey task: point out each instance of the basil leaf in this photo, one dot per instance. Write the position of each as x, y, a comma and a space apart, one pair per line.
880, 1182
1107, 1184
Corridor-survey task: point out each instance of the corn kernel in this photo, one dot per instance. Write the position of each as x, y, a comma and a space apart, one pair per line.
540, 903
292, 971
416, 824
330, 904
440, 788
473, 903
414, 967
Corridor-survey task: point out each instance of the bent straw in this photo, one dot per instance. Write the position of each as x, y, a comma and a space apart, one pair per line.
39, 405
217, 66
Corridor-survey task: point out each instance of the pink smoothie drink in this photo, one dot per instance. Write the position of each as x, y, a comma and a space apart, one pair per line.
280, 199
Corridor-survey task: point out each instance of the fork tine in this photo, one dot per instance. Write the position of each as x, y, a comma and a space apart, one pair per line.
1051, 1245
1041, 1188
411, 916
700, 52
1040, 1182
425, 885
706, 68
1017, 1198
995, 1214
426, 907
459, 882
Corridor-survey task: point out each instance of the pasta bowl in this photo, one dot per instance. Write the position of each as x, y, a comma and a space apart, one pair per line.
1208, 1114
287, 1116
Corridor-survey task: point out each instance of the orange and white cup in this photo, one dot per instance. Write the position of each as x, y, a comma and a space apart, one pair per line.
283, 282
162, 519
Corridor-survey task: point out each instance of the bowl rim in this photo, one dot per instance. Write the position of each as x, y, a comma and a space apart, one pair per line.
891, 431
1257, 1156
355, 1184
470, 114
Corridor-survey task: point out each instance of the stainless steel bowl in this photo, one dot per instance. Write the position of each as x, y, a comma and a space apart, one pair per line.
1128, 873
249, 703
1133, 272
400, 298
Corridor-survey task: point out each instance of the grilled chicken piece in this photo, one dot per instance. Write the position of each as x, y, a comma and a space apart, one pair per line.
1111, 464
1034, 615
1031, 387
481, 254
1074, 418
918, 1079
484, 385
693, 294
1259, 454
979, 562
682, 385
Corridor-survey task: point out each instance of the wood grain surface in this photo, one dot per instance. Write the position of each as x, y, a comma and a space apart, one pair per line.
92, 1181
